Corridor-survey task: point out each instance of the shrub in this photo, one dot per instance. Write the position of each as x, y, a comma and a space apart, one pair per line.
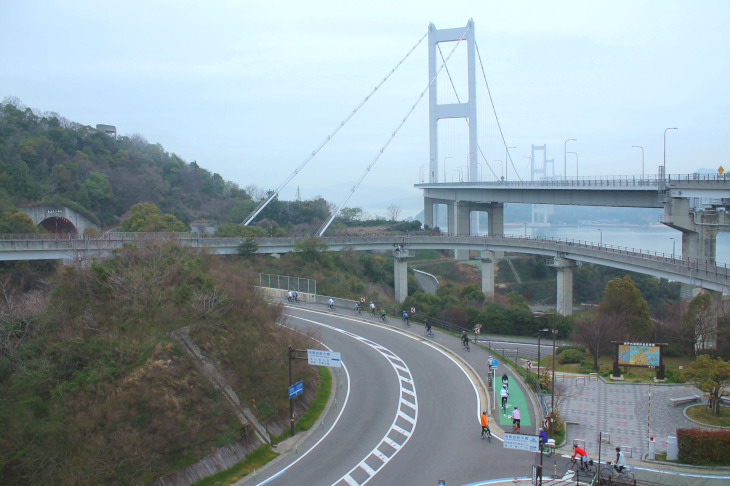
571, 356
703, 447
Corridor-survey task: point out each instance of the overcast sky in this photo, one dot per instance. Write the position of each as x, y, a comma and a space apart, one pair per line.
250, 89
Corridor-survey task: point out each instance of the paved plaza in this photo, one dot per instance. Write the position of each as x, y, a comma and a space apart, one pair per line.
626, 413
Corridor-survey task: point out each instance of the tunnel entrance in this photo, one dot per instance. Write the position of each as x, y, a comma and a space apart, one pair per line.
58, 225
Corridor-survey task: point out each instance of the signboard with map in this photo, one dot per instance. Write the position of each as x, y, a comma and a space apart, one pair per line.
647, 355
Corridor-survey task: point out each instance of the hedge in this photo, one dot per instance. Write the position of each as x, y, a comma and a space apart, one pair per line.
703, 447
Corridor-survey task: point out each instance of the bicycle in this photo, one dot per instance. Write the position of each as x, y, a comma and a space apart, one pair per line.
358, 309
575, 466
429, 332
405, 320
383, 318
465, 345
486, 432
610, 473
515, 426
548, 448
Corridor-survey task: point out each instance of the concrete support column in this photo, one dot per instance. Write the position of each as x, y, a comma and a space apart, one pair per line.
488, 274
428, 212
495, 219
401, 274
463, 211
564, 304
451, 217
463, 227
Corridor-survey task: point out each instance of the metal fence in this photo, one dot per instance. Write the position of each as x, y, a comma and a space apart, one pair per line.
285, 282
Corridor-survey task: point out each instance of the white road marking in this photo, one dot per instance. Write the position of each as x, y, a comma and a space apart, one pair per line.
404, 377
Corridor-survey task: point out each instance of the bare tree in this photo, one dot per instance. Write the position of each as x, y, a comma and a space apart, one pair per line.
393, 212
596, 332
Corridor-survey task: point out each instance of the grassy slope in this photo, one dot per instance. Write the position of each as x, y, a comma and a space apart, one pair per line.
96, 392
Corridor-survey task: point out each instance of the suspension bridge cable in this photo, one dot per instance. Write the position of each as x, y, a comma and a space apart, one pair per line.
334, 214
495, 112
458, 98
324, 142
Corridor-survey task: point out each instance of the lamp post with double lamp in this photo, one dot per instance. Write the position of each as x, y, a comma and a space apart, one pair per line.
665, 151
565, 156
506, 160
642, 159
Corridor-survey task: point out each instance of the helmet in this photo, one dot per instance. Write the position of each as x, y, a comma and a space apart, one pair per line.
540, 429
515, 407
484, 411
618, 449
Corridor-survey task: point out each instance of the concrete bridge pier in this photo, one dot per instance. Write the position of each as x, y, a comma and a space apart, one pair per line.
699, 229
565, 267
488, 274
400, 282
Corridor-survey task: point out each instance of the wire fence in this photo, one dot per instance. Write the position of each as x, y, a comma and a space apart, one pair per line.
286, 282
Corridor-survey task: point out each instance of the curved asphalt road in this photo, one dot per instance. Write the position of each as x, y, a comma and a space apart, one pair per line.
406, 414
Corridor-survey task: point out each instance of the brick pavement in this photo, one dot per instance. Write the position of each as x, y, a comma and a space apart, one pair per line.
624, 411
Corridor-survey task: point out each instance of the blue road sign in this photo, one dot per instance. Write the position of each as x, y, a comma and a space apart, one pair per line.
319, 357
296, 389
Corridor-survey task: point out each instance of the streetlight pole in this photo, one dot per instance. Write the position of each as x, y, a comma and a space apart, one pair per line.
444, 172
525, 224
506, 160
552, 386
576, 163
565, 156
665, 150
599, 229
672, 247
539, 335
642, 159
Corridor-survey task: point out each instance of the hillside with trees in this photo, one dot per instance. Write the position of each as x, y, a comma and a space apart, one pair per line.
96, 390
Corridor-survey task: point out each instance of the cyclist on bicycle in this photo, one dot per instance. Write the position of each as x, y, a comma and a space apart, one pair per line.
464, 340
620, 463
505, 380
372, 307
504, 394
516, 418
405, 317
331, 303
543, 438
382, 313
428, 327
485, 423
357, 307
577, 451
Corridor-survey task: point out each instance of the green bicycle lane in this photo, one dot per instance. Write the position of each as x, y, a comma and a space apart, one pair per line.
516, 399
